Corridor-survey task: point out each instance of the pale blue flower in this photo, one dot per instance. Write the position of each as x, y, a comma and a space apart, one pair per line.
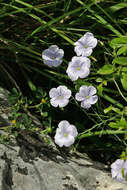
59, 96
84, 46
52, 56
65, 134
119, 170
79, 67
87, 96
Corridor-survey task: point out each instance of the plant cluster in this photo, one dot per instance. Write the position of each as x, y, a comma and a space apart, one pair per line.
98, 78
78, 67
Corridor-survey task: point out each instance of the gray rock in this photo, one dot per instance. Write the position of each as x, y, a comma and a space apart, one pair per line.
27, 164
75, 172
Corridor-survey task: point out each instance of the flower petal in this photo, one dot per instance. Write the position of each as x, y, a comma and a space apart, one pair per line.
58, 140
71, 74
117, 164
60, 54
92, 42
63, 102
72, 130
114, 173
86, 61
65, 92
83, 90
93, 99
49, 63
84, 72
54, 48
81, 41
85, 104
79, 97
69, 141
45, 55
91, 90
79, 50
87, 52
57, 62
53, 93
78, 61
63, 125
88, 34
54, 103
120, 177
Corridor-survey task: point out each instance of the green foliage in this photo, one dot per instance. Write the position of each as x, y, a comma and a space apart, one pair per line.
120, 124
21, 116
106, 69
124, 80
29, 27
124, 154
121, 61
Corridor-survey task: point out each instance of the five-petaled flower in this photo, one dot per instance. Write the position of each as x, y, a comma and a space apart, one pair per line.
59, 96
52, 56
84, 46
65, 134
87, 96
78, 67
119, 170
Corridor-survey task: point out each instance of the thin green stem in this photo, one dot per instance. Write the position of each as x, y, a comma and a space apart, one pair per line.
120, 90
106, 132
111, 100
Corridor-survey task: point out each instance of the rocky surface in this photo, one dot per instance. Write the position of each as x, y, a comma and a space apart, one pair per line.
28, 163
49, 170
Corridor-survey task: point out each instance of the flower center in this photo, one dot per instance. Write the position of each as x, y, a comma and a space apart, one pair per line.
78, 68
65, 134
53, 57
86, 46
61, 97
87, 97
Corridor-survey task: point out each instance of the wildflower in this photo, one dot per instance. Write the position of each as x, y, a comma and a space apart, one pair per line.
59, 96
52, 56
87, 96
78, 67
65, 134
84, 46
13, 121
43, 101
119, 170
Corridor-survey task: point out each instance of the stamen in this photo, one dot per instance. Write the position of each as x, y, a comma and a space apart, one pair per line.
86, 46
61, 97
87, 97
53, 57
78, 68
66, 135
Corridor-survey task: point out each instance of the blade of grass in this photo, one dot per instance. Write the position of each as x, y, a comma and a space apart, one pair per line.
117, 7
110, 17
60, 33
43, 73
111, 100
19, 46
100, 19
